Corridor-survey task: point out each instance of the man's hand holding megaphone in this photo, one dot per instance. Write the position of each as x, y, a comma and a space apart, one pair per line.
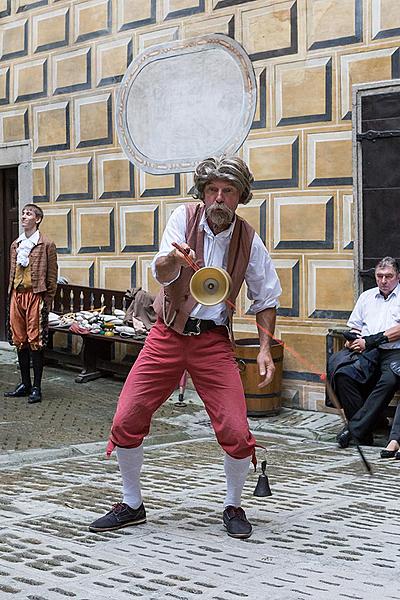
180, 258
169, 266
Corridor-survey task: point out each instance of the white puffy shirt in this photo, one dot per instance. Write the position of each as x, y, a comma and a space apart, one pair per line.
372, 313
25, 246
263, 286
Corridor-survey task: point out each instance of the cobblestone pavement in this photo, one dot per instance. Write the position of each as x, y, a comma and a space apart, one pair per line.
329, 531
70, 413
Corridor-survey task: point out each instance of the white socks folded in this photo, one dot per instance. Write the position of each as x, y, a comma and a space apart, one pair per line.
236, 470
130, 461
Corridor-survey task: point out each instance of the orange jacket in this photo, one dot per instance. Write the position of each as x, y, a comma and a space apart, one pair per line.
43, 267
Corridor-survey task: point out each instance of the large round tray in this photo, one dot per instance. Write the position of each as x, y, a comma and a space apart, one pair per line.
183, 101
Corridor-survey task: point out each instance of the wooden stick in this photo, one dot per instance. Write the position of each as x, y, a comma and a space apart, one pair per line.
335, 401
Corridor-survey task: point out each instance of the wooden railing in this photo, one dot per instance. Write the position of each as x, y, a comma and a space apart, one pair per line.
73, 298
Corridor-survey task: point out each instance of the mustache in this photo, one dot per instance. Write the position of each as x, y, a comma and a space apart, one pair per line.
219, 214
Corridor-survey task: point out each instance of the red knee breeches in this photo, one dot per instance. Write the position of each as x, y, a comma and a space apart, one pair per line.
210, 361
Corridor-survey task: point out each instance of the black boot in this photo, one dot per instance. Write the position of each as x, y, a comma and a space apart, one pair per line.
37, 364
23, 388
35, 395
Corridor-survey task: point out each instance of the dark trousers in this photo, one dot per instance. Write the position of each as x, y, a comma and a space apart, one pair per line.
363, 406
395, 431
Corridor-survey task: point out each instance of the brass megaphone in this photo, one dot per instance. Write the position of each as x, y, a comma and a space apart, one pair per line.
210, 285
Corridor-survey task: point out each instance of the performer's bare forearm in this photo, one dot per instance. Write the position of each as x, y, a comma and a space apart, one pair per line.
266, 327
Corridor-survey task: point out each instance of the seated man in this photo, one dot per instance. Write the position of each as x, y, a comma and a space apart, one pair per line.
376, 319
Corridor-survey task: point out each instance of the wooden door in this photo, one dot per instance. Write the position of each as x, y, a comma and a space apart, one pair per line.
9, 228
379, 218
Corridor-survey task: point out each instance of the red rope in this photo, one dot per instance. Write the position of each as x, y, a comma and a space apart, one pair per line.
307, 364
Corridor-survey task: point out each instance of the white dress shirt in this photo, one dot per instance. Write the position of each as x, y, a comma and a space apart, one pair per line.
263, 286
373, 313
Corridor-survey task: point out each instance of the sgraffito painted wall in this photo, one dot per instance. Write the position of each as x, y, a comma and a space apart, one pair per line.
60, 65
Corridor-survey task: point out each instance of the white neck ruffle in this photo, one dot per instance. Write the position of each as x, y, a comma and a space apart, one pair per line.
25, 247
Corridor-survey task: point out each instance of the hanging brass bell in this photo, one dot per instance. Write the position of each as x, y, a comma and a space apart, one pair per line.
210, 285
262, 488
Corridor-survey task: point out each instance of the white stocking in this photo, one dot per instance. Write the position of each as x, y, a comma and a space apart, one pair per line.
130, 461
236, 470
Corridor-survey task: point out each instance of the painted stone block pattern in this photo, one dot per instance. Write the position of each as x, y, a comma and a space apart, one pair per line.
41, 181
14, 39
51, 127
270, 31
51, 30
93, 120
14, 125
95, 230
92, 19
57, 224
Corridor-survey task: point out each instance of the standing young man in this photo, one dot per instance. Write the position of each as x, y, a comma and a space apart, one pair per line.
190, 336
32, 286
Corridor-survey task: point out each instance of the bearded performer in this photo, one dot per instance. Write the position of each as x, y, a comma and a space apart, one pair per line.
190, 336
32, 286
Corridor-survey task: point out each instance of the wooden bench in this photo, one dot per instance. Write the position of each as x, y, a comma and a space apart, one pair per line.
96, 355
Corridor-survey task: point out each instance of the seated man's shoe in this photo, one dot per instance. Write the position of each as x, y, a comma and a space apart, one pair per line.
121, 515
20, 391
343, 438
397, 456
235, 522
35, 396
388, 453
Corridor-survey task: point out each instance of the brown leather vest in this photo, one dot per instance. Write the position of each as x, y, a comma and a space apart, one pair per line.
174, 303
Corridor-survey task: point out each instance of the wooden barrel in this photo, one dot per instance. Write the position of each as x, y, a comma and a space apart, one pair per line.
261, 402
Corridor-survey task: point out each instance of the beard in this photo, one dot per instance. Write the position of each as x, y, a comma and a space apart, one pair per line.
219, 214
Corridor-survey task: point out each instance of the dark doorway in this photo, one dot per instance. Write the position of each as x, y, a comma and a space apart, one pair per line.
9, 229
379, 180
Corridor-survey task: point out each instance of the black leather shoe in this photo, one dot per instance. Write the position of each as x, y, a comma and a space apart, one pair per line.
35, 396
121, 515
20, 391
235, 522
397, 456
343, 438
388, 453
